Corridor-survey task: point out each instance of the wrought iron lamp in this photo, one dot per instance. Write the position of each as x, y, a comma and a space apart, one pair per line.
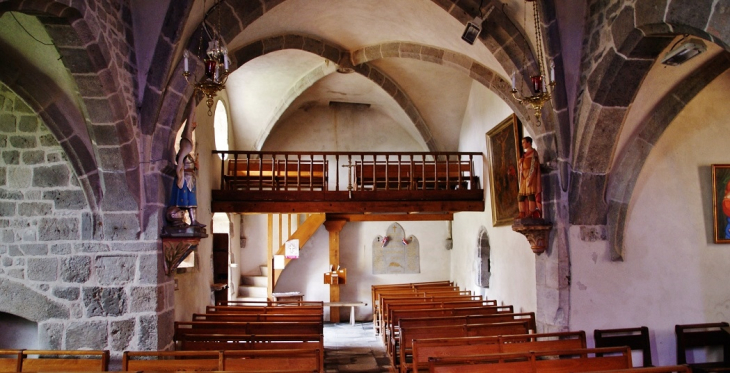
215, 61
541, 89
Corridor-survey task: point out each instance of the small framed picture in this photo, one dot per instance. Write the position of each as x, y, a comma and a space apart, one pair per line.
721, 202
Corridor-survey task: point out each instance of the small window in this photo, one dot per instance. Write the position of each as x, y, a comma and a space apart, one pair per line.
220, 126
484, 263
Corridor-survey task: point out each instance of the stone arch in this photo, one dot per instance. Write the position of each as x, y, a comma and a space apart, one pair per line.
29, 303
622, 178
342, 58
110, 158
635, 37
502, 37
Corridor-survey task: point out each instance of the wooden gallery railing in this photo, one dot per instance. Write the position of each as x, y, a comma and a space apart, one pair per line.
349, 176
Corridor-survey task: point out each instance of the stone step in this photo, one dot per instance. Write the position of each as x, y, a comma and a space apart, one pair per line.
249, 280
252, 291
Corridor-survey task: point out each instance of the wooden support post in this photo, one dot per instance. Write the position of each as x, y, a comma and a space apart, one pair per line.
334, 227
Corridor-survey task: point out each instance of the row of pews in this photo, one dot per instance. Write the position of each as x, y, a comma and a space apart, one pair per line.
274, 336
435, 327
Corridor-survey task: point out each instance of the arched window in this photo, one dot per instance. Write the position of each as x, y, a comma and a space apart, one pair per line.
220, 126
484, 265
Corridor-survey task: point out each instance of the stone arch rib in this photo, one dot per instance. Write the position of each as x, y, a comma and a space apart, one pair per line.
100, 73
635, 35
622, 179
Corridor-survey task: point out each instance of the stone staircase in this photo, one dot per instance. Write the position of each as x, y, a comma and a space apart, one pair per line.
253, 286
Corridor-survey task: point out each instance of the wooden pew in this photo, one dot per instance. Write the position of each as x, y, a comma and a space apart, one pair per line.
269, 303
375, 290
580, 360
172, 360
390, 308
261, 310
664, 369
64, 360
460, 320
397, 314
278, 360
185, 328
248, 342
423, 349
695, 336
256, 317
407, 335
10, 360
276, 174
410, 293
396, 175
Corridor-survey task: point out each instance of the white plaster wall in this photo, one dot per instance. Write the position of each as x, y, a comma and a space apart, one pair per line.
672, 272
513, 263
356, 256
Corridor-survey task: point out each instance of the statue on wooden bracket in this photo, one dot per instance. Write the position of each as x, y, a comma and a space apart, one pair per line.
181, 213
529, 201
394, 253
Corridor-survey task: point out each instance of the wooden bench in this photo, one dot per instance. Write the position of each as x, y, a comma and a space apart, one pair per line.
397, 314
276, 174
273, 360
10, 360
186, 328
65, 360
580, 360
376, 290
316, 310
695, 336
637, 339
248, 342
269, 303
664, 369
433, 303
423, 349
171, 360
256, 317
407, 335
397, 175
408, 322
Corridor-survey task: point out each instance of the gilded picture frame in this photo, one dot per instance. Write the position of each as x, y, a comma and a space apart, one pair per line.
503, 148
721, 202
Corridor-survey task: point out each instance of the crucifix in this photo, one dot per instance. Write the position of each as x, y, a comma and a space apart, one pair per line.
349, 176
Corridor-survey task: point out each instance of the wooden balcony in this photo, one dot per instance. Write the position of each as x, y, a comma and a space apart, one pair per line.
348, 183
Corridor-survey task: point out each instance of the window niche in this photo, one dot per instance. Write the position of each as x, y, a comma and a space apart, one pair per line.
483, 262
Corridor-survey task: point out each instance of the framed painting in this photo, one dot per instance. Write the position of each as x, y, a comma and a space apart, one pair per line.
503, 147
721, 202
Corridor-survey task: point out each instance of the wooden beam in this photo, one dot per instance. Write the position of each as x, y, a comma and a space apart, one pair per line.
447, 216
334, 227
345, 207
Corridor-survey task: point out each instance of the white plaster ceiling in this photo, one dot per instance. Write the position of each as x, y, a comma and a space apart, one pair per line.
262, 90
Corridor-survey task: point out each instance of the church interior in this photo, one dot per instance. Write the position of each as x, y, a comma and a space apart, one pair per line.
367, 143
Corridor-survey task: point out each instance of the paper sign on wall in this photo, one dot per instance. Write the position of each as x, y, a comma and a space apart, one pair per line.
292, 249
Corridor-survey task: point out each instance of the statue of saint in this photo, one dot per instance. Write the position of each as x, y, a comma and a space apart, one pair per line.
183, 193
529, 199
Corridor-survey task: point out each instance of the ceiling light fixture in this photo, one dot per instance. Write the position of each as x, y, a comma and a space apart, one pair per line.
215, 61
540, 91
684, 52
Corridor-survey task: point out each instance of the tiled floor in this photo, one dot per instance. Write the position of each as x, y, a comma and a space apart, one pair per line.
353, 349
